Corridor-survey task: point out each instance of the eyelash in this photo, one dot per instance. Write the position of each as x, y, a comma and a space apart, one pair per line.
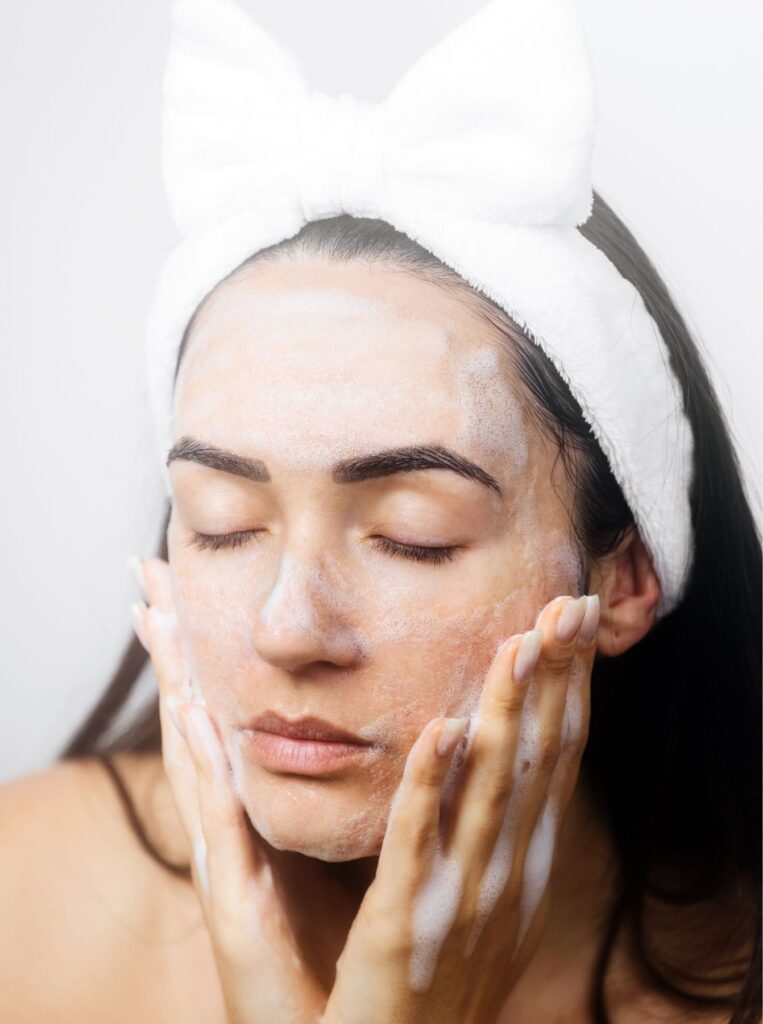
413, 552
214, 542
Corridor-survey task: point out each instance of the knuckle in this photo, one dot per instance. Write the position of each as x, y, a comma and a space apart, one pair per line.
549, 753
492, 739
425, 777
512, 893
508, 704
556, 661
498, 787
234, 950
229, 936
485, 829
383, 928
574, 745
423, 838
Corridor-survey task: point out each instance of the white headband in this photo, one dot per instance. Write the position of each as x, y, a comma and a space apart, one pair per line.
481, 153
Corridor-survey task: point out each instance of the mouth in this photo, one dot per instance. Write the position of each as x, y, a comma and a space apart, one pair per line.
303, 746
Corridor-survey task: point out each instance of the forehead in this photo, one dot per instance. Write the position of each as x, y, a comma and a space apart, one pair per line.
294, 358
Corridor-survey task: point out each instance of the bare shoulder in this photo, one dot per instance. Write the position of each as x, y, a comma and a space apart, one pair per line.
60, 821
80, 900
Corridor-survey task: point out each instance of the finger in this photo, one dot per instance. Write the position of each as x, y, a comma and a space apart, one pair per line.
577, 711
242, 908
414, 820
488, 776
541, 738
540, 844
226, 856
559, 623
160, 629
154, 580
512, 759
135, 565
157, 574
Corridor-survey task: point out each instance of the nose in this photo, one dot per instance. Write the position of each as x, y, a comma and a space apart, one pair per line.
302, 621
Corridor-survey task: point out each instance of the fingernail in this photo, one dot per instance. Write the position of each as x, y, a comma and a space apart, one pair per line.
138, 608
505, 644
551, 604
570, 619
527, 655
135, 565
451, 736
590, 619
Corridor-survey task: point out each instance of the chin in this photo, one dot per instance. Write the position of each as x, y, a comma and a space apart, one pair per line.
326, 820
347, 837
320, 847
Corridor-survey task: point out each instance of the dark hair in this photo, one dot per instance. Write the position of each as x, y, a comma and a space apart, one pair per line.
674, 736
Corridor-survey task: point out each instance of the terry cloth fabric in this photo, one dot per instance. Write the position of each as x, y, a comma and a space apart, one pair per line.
482, 154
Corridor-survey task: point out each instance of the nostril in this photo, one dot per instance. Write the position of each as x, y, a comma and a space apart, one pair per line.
294, 650
303, 621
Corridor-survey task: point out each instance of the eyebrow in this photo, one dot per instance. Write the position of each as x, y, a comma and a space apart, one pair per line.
349, 471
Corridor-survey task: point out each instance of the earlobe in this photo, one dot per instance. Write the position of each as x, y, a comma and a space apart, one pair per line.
630, 592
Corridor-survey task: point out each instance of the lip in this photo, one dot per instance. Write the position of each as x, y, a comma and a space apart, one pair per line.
303, 746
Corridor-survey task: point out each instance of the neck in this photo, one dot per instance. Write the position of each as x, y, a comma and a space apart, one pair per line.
323, 897
326, 898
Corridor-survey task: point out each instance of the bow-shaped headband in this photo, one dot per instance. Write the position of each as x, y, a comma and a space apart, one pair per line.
481, 153
243, 126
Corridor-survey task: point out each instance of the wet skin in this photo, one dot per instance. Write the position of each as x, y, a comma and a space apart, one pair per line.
303, 366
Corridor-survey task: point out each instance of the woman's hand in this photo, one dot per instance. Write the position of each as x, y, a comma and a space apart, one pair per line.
460, 894
262, 976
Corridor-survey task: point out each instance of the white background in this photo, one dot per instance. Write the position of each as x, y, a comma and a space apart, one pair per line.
84, 227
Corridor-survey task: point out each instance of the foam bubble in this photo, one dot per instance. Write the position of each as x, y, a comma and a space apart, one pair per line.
540, 855
434, 911
200, 858
492, 418
500, 864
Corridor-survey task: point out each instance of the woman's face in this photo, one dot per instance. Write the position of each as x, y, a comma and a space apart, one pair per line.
301, 366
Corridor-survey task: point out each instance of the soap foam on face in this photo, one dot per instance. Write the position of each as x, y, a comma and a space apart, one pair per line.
312, 599
324, 392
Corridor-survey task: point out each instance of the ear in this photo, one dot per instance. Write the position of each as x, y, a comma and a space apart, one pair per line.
629, 591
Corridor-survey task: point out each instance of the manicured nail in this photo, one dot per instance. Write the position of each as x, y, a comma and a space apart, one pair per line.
451, 736
527, 655
551, 604
570, 619
590, 619
135, 565
138, 608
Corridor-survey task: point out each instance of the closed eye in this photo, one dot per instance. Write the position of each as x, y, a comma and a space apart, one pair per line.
413, 552
215, 541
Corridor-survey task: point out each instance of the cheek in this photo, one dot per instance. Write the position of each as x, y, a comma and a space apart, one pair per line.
427, 646
425, 636
211, 606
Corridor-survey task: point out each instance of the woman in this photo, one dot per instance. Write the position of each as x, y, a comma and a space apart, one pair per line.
376, 594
